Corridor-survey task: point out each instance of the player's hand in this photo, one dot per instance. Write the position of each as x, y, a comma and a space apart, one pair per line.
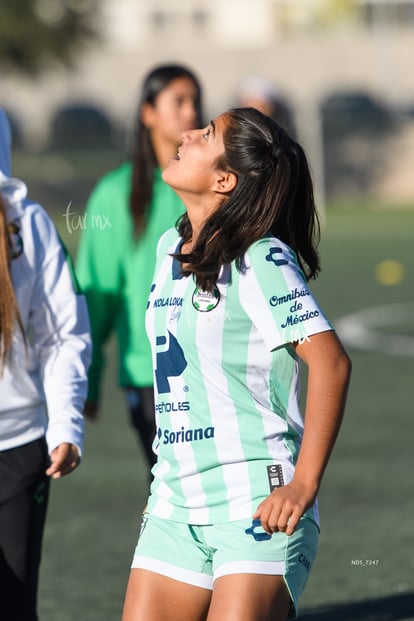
91, 410
64, 459
282, 510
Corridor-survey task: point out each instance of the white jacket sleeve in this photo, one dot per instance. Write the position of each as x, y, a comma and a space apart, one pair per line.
61, 336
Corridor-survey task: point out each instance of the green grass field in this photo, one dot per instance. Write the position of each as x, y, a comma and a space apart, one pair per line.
366, 499
365, 567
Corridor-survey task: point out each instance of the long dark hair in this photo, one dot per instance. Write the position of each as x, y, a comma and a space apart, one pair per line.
274, 194
144, 162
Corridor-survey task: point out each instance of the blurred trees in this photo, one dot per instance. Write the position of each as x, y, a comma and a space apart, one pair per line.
36, 34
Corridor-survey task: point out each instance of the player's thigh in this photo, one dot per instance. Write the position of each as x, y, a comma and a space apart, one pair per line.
154, 597
249, 597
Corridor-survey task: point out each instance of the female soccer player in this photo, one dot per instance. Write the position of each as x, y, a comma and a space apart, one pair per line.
231, 527
128, 211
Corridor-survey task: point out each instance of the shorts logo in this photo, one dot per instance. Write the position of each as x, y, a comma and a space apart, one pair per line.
204, 301
39, 495
305, 562
257, 532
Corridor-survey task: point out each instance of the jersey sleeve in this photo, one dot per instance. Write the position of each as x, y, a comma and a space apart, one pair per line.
59, 333
276, 296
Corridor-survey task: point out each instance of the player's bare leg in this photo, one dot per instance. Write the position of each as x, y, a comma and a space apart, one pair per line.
249, 597
153, 597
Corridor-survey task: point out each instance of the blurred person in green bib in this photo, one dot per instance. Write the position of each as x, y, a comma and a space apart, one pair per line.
127, 212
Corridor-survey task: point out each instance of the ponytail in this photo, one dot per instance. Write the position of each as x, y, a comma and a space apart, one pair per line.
9, 312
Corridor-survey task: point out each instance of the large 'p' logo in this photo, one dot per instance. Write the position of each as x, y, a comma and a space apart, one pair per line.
170, 361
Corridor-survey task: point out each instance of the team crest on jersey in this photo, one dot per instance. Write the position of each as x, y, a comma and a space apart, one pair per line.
204, 301
15, 240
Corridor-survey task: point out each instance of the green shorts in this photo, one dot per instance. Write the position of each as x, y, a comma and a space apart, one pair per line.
198, 555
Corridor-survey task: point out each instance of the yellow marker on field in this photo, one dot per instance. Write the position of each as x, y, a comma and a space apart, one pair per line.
389, 272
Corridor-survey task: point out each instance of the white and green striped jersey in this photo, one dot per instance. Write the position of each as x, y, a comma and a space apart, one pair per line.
226, 382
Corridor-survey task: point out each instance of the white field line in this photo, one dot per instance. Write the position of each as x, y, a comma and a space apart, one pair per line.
362, 329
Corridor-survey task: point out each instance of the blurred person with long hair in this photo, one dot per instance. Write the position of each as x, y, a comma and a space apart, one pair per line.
232, 525
127, 212
44, 357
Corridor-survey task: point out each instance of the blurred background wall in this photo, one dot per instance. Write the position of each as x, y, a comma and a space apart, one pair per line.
342, 67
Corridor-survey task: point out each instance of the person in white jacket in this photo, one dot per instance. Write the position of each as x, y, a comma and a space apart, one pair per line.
45, 351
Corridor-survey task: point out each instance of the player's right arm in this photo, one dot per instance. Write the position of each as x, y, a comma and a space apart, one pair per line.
329, 370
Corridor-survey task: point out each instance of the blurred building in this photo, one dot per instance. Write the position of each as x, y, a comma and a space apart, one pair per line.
309, 49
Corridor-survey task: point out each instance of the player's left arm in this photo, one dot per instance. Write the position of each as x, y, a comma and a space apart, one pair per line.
329, 370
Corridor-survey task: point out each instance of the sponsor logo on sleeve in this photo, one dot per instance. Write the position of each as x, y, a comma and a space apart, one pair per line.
296, 314
274, 256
